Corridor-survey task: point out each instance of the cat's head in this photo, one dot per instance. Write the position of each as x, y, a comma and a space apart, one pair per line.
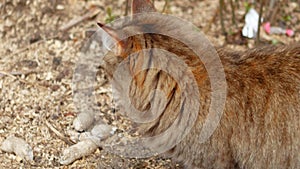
125, 46
146, 29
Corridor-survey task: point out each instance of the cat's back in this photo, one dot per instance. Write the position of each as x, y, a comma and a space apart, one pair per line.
272, 68
280, 56
262, 108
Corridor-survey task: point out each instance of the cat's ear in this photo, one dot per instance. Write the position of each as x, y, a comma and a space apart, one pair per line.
110, 37
142, 6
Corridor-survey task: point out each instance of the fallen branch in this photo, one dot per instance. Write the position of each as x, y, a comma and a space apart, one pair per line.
93, 12
58, 134
15, 73
21, 50
9, 74
259, 21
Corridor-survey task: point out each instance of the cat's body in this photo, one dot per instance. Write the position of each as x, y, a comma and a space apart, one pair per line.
260, 126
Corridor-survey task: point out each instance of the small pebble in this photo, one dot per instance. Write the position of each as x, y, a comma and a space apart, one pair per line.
79, 150
102, 131
83, 121
19, 147
60, 7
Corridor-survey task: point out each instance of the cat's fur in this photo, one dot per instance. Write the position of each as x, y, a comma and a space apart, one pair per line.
260, 126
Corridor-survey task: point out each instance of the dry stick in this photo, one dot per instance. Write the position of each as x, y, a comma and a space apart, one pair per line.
15, 73
259, 21
93, 12
269, 12
237, 4
221, 2
21, 50
4, 73
10, 74
274, 13
210, 21
165, 6
127, 8
2, 12
233, 13
58, 134
28, 47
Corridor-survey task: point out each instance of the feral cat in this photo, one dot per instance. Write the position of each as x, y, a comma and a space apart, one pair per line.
260, 126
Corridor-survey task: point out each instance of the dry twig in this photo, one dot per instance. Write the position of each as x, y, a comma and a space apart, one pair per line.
127, 7
4, 73
259, 21
93, 12
165, 6
59, 134
222, 7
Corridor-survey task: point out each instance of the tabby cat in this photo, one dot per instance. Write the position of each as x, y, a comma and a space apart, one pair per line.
260, 126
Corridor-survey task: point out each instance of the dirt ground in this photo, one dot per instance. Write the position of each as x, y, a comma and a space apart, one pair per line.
38, 56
